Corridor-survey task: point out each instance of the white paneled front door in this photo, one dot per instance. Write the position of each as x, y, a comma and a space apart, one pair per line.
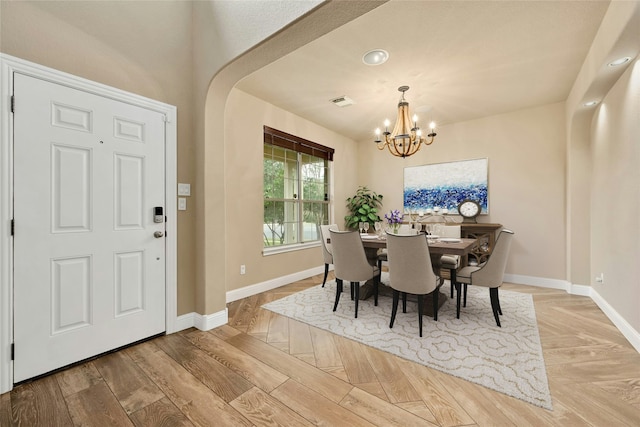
89, 260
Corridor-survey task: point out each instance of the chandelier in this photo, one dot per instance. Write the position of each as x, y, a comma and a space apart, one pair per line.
406, 138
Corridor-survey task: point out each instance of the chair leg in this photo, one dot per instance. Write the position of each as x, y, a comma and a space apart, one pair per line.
394, 308
351, 290
338, 292
326, 273
464, 303
404, 302
493, 293
498, 299
458, 286
452, 279
376, 284
435, 304
357, 292
420, 309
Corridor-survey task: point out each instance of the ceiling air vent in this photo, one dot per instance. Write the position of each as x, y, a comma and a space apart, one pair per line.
343, 101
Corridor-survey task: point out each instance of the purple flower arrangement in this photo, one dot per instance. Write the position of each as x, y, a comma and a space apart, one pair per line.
394, 218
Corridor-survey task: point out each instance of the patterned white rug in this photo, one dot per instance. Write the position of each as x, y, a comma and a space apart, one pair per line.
507, 359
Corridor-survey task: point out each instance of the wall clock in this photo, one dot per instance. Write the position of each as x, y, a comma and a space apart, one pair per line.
469, 210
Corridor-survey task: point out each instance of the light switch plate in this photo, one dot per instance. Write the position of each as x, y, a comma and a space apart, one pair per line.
184, 189
182, 204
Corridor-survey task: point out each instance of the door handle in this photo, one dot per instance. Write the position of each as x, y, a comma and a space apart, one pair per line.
158, 234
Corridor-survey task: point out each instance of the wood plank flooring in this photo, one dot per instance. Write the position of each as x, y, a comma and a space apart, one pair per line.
264, 369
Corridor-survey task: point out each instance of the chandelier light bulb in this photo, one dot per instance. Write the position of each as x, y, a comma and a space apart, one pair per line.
432, 125
378, 135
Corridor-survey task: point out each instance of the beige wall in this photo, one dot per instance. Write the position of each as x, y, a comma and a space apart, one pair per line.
140, 47
615, 196
526, 179
245, 116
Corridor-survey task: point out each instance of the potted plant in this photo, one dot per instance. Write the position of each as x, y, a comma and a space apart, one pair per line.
363, 207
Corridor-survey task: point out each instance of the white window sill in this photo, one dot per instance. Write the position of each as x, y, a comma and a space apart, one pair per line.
274, 250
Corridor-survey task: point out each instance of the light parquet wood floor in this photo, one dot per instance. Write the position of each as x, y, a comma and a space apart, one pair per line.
263, 369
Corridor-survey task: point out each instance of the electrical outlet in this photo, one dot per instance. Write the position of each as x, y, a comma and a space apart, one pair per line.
243, 269
600, 278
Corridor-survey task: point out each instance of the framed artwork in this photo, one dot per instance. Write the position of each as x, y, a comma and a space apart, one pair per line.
445, 185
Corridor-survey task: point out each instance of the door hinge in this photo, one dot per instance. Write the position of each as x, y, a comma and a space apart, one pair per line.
13, 351
13, 103
13, 226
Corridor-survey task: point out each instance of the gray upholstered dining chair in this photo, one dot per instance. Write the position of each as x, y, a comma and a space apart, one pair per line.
351, 265
403, 230
327, 254
489, 274
450, 262
411, 272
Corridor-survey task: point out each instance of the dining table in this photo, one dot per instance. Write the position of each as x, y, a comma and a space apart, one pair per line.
437, 247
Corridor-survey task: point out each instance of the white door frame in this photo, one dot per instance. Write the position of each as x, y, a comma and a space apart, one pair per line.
9, 65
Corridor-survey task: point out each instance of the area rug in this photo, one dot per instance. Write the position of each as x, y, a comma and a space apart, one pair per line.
507, 359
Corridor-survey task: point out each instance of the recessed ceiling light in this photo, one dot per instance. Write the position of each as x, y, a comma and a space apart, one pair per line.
375, 57
590, 103
619, 61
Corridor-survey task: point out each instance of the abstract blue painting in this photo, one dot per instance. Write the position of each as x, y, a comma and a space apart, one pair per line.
445, 185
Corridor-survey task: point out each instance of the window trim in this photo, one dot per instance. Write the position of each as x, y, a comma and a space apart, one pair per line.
300, 146
292, 247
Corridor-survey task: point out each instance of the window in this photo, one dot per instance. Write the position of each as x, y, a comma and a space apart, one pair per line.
296, 189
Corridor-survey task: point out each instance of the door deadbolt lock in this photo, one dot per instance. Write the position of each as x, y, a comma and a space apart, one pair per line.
158, 234
158, 216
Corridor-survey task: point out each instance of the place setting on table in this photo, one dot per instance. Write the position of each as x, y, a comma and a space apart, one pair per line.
438, 246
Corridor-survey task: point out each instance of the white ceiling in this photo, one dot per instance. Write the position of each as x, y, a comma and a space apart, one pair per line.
462, 60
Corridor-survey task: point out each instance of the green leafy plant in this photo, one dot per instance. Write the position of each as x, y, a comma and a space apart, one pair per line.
363, 207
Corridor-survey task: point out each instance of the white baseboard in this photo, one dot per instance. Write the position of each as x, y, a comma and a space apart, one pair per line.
250, 290
623, 326
185, 321
541, 282
582, 290
202, 322
210, 321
